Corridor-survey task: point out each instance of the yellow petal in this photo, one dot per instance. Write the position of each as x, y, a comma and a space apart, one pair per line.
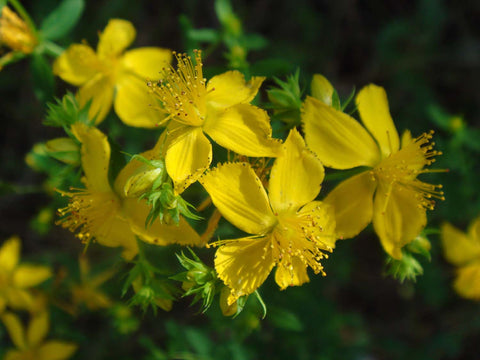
406, 138
10, 253
15, 329
95, 154
77, 64
339, 140
230, 88
56, 350
322, 89
147, 62
244, 129
239, 195
397, 217
119, 234
352, 201
134, 103
37, 329
372, 105
14, 355
243, 265
294, 274
458, 248
189, 154
3, 304
296, 175
467, 283
99, 90
115, 38
26, 276
159, 234
19, 299
474, 231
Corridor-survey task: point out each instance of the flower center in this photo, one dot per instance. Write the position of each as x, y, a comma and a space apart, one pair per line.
301, 235
182, 92
89, 214
403, 167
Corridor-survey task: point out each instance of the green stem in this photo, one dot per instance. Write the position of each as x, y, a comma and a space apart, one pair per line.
23, 13
52, 49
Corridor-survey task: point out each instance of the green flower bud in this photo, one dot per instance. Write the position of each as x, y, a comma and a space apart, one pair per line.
64, 149
141, 181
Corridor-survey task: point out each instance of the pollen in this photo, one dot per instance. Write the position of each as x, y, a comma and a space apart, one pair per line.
88, 214
182, 92
402, 168
301, 236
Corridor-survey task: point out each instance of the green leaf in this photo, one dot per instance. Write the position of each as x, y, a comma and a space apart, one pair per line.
43, 80
204, 35
223, 9
62, 19
2, 4
336, 101
285, 319
255, 41
262, 304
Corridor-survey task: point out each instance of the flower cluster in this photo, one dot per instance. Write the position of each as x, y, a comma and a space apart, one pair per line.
268, 188
215, 157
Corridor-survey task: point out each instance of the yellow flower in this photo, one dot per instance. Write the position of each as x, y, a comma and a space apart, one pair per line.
388, 191
289, 229
88, 292
16, 279
14, 32
219, 109
112, 73
463, 250
100, 212
30, 343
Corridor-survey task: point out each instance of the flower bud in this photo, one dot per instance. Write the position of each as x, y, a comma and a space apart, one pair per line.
64, 149
141, 181
14, 32
227, 310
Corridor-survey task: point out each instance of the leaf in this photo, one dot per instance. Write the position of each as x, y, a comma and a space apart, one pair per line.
285, 319
62, 19
204, 35
2, 4
255, 41
43, 80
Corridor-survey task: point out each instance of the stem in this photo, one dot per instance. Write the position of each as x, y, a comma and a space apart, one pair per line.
23, 13
52, 49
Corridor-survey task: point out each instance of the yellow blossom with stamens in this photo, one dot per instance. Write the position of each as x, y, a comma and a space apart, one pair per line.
14, 32
388, 191
463, 250
113, 75
102, 213
30, 342
288, 228
16, 278
219, 108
